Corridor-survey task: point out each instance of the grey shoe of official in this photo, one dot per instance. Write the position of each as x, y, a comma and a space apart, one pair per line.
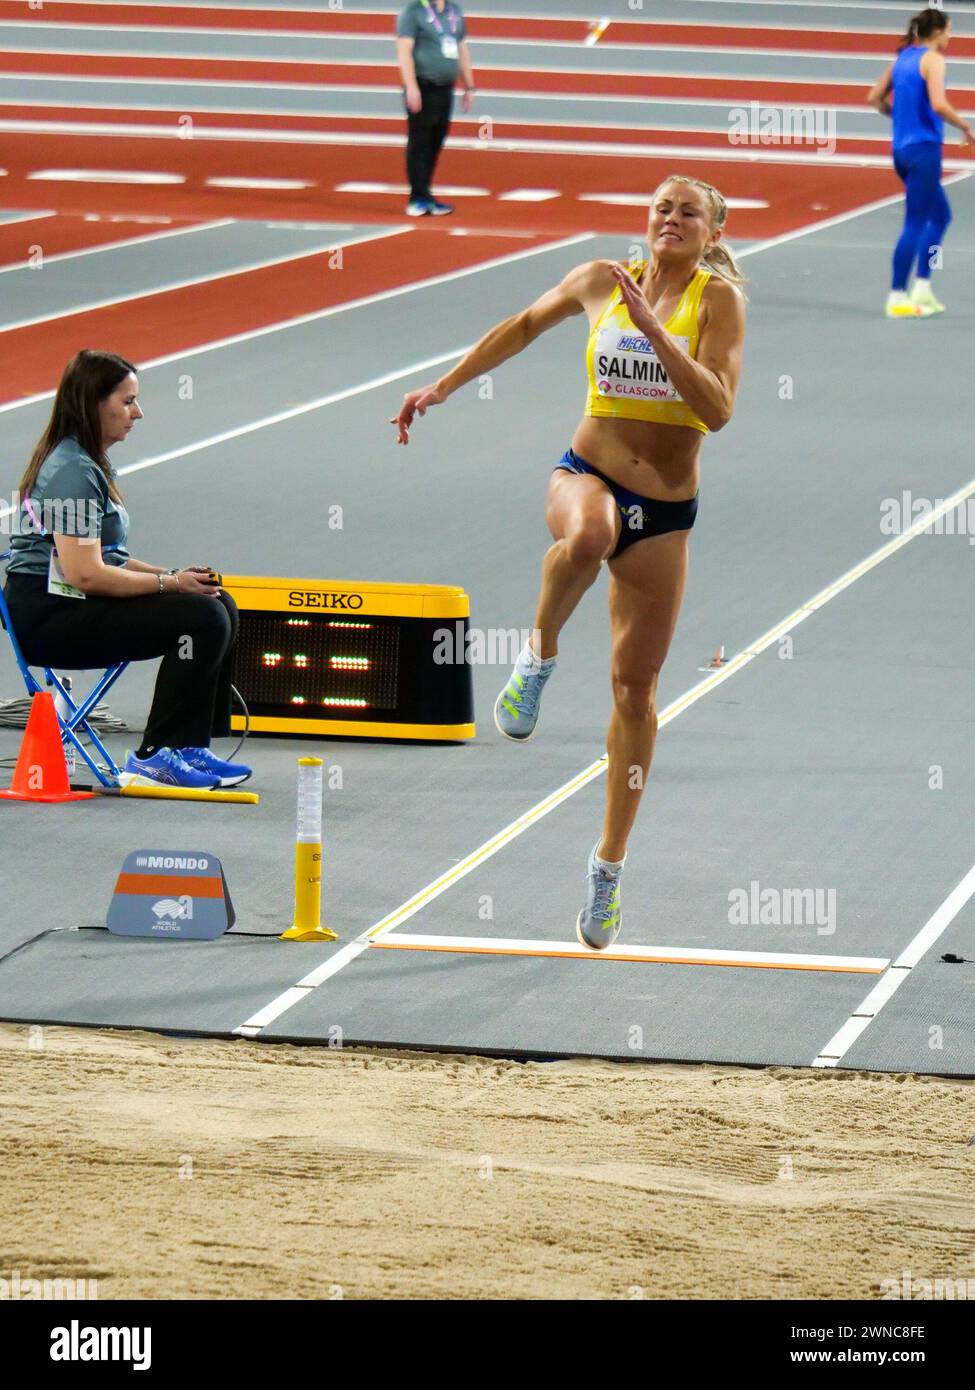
516, 708
601, 920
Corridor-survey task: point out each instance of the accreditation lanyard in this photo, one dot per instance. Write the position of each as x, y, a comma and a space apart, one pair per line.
434, 18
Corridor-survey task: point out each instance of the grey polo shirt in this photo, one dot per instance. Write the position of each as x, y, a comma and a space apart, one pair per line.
71, 497
433, 31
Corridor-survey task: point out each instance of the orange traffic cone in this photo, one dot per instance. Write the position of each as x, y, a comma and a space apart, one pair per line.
41, 773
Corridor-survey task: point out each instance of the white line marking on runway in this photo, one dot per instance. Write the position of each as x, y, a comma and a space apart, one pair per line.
651, 955
146, 240
840, 1043
284, 324
529, 195
374, 88
294, 412
594, 35
834, 55
805, 152
449, 190
26, 217
149, 176
276, 184
330, 11
537, 122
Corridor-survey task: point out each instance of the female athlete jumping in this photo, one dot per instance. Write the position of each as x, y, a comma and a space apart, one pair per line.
664, 357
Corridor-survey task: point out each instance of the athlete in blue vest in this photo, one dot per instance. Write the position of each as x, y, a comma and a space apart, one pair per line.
916, 83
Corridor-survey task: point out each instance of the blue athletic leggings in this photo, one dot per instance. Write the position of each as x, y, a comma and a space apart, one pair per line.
927, 214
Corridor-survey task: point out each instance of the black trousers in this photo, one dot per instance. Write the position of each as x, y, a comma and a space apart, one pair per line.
193, 634
426, 131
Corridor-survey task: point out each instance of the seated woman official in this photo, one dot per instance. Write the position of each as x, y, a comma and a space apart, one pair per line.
79, 600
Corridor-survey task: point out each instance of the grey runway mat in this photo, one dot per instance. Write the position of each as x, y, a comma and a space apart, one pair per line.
928, 1024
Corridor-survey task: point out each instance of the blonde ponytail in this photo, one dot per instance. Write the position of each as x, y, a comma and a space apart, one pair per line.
719, 258
722, 262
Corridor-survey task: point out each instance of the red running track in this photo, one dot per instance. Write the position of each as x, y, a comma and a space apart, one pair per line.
155, 325
797, 194
58, 233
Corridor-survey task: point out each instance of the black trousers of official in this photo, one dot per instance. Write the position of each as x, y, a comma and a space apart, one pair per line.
193, 634
426, 131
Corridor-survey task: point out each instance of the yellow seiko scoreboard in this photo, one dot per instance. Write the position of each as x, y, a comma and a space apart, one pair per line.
325, 656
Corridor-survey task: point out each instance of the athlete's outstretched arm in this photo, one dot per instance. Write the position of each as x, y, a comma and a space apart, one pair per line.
506, 339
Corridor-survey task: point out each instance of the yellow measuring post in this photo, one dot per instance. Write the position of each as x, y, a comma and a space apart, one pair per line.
308, 857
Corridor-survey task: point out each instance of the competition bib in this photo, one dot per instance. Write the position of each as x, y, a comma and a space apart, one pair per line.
627, 367
56, 582
448, 46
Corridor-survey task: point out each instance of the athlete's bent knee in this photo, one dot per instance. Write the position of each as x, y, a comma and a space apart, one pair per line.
589, 544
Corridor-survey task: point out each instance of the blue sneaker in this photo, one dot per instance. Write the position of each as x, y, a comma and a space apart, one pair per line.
227, 774
516, 708
438, 209
600, 921
166, 768
418, 208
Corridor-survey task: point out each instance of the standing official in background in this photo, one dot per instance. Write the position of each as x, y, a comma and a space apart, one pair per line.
431, 46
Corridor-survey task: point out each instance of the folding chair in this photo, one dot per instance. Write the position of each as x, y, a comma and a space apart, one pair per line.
77, 719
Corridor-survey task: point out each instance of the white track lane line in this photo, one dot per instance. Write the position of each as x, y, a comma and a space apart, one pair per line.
145, 240
26, 217
537, 122
273, 1010
650, 955
622, 49
594, 35
211, 278
473, 13
801, 153
317, 314
840, 1043
65, 80
292, 413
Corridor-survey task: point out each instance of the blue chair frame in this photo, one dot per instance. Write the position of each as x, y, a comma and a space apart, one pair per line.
77, 719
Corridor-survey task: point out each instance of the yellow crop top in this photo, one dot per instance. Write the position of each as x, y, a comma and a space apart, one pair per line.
627, 381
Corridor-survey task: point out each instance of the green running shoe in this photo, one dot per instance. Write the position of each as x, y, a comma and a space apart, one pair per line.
516, 708
922, 296
601, 920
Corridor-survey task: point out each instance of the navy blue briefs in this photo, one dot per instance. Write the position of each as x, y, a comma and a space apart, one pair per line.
641, 517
